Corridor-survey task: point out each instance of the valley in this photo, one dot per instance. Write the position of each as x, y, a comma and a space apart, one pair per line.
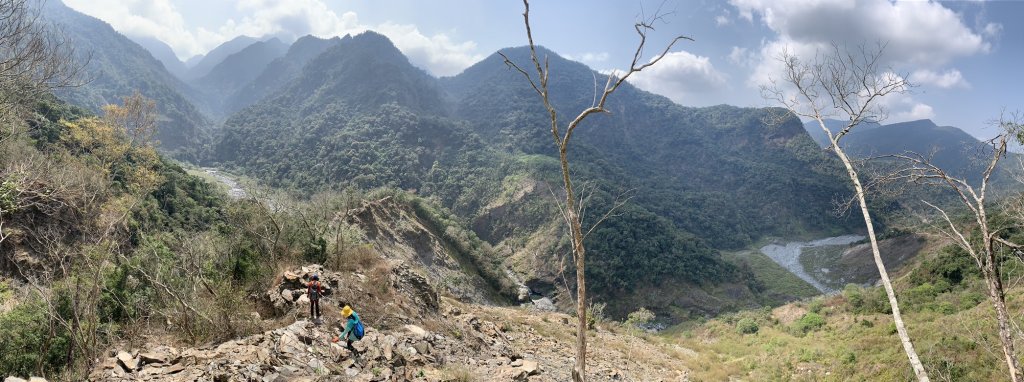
173, 219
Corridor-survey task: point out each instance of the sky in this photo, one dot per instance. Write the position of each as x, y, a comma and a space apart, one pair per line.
963, 56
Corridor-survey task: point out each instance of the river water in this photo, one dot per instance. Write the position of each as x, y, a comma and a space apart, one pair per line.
788, 256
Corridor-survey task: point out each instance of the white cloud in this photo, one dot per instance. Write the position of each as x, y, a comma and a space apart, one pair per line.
722, 20
992, 29
921, 36
916, 112
742, 56
589, 57
155, 18
680, 76
918, 33
946, 80
439, 54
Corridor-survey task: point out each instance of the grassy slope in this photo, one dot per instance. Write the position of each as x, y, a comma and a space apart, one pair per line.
780, 284
953, 331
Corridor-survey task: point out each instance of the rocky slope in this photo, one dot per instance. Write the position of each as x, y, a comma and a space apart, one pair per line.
436, 340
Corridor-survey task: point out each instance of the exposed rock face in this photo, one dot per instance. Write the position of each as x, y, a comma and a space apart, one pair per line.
396, 230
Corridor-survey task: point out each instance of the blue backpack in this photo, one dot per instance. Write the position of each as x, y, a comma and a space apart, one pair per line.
359, 330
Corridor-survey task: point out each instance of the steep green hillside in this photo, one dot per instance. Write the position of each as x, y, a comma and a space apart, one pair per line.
117, 67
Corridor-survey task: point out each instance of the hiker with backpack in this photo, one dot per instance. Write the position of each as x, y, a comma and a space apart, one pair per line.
314, 290
354, 329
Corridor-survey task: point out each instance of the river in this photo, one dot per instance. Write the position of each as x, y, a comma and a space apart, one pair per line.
788, 256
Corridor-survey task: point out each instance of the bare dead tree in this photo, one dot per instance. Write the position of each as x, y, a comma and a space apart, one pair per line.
571, 210
985, 245
35, 58
846, 83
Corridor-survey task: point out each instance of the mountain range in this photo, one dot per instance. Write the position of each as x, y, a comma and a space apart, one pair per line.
354, 113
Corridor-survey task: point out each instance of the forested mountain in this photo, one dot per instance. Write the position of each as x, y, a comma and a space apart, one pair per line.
360, 115
237, 71
948, 147
717, 172
162, 52
834, 125
206, 63
279, 72
117, 67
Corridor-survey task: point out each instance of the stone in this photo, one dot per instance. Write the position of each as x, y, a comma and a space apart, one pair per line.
416, 331
315, 364
516, 363
128, 362
154, 357
287, 295
351, 372
14, 379
303, 299
388, 351
174, 369
37, 379
422, 348
530, 367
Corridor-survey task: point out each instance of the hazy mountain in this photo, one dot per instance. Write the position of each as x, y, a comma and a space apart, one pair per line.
279, 72
117, 67
218, 54
361, 115
238, 70
194, 60
163, 52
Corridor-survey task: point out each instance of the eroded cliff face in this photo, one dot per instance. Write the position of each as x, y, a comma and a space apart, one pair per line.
396, 232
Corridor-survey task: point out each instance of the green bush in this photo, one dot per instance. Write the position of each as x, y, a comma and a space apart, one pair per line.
854, 295
809, 322
746, 326
816, 305
639, 318
26, 340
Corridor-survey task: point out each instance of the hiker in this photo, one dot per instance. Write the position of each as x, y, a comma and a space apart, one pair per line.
353, 328
314, 290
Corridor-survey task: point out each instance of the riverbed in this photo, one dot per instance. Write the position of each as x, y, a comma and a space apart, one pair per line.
235, 191
788, 256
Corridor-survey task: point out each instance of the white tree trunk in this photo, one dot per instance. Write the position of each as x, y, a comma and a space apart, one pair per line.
901, 330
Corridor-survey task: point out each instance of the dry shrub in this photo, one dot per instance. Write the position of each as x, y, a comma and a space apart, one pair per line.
458, 373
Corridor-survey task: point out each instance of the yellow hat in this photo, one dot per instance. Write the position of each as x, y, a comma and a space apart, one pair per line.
346, 311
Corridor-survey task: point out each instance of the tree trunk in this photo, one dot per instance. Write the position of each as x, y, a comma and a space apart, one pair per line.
915, 361
576, 232
995, 290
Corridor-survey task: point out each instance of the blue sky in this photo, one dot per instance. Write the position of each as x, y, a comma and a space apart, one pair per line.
964, 56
